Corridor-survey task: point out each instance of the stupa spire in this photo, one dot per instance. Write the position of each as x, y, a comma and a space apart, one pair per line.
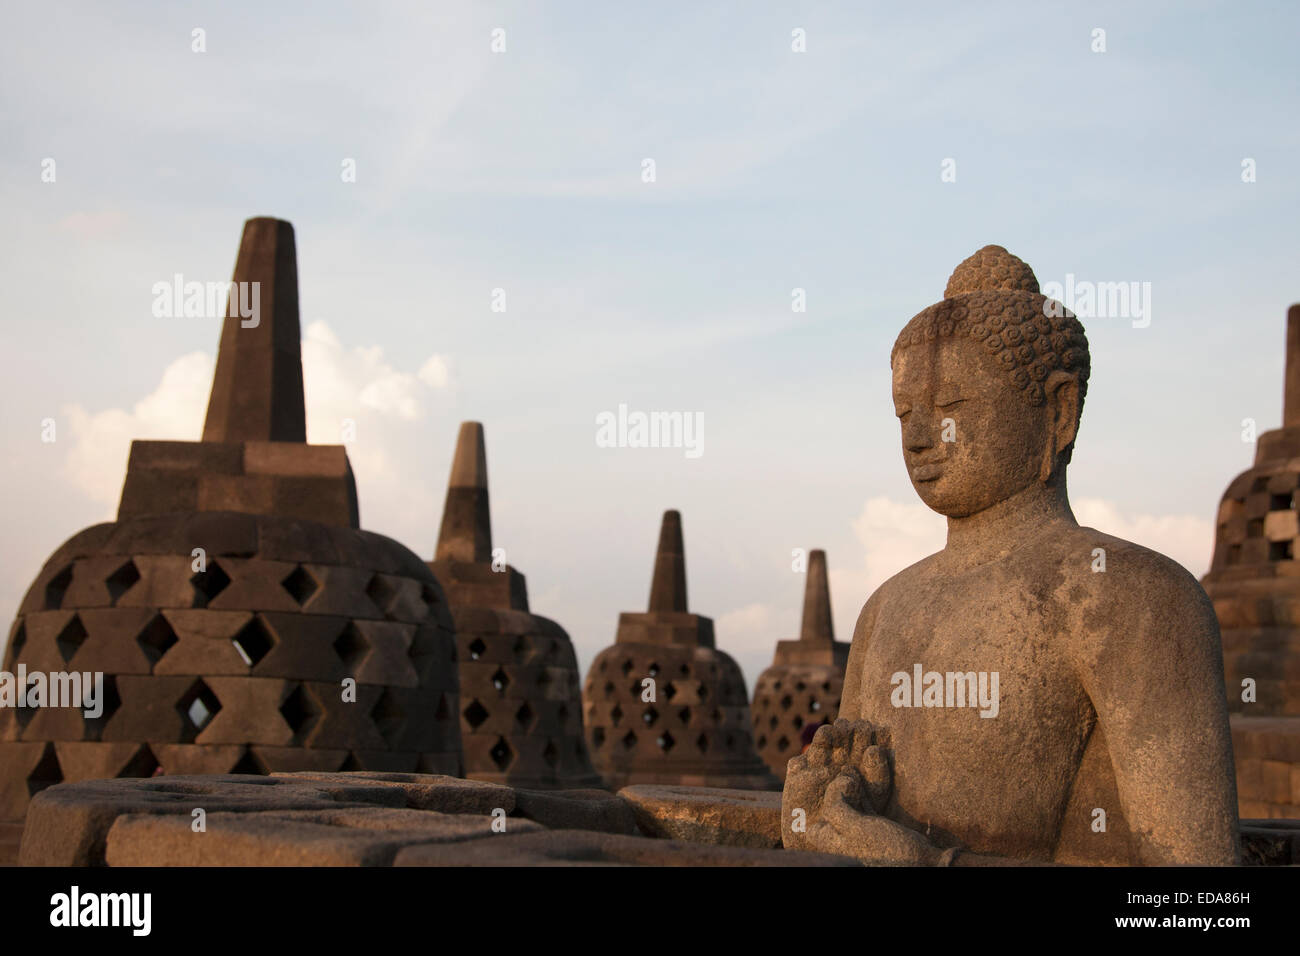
1291, 399
257, 390
466, 533
817, 626
668, 587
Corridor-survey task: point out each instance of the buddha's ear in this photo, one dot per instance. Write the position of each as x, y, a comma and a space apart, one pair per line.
1062, 392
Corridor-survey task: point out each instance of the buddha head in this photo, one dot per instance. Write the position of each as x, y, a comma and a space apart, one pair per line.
988, 387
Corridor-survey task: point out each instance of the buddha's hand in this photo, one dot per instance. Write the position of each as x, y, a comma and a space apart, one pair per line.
835, 793
850, 748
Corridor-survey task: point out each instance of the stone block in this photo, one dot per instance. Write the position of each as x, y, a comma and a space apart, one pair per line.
187, 759
222, 534
67, 825
204, 642
420, 791
90, 760
1270, 842
299, 759
400, 598
249, 494
295, 459
305, 647
294, 540
212, 458
580, 847
158, 493
148, 709
388, 660
342, 591
327, 500
164, 582
722, 817
119, 640
29, 767
336, 837
249, 706
255, 585
596, 810
1280, 526
386, 761
89, 585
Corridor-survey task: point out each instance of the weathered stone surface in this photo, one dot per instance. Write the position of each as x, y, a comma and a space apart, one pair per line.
801, 690
257, 388
582, 848
1254, 582
596, 810
11, 835
1270, 842
334, 837
520, 705
235, 595
423, 791
697, 730
68, 824
707, 814
1092, 665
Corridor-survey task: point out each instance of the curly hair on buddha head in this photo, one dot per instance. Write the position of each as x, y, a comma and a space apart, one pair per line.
994, 298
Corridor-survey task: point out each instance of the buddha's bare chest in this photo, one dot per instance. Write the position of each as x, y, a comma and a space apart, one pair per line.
976, 675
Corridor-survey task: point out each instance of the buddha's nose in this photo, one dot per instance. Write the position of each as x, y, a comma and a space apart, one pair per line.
918, 433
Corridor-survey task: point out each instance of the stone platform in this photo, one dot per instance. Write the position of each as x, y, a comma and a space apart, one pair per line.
387, 819
406, 819
11, 835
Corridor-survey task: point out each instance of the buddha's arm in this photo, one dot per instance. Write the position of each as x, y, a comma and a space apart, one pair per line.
1155, 678
850, 702
835, 790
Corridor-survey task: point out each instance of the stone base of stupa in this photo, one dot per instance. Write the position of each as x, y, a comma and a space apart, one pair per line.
696, 731
1267, 752
802, 687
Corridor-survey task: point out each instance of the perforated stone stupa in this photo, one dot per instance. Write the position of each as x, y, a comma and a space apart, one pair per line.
1254, 582
521, 711
696, 731
803, 684
234, 596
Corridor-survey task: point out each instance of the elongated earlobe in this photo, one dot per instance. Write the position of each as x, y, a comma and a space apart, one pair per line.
1062, 391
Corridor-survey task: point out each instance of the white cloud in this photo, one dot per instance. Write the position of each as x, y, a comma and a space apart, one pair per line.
752, 627
98, 224
435, 372
895, 535
340, 383
102, 440
1188, 539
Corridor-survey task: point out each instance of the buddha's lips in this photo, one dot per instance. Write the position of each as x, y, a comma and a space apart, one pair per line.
927, 471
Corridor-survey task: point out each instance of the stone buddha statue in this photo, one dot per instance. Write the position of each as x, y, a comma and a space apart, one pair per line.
1036, 691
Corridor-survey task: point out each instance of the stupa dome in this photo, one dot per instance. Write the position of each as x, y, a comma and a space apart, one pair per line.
240, 618
696, 731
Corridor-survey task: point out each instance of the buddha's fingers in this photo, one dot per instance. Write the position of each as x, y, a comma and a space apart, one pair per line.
800, 799
877, 777
844, 828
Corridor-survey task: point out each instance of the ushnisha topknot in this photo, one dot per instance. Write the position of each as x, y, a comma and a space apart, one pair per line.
994, 298
991, 269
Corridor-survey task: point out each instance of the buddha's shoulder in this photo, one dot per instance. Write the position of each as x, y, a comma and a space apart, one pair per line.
908, 581
1112, 570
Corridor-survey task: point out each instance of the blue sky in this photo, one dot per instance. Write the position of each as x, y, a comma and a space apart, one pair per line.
521, 170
